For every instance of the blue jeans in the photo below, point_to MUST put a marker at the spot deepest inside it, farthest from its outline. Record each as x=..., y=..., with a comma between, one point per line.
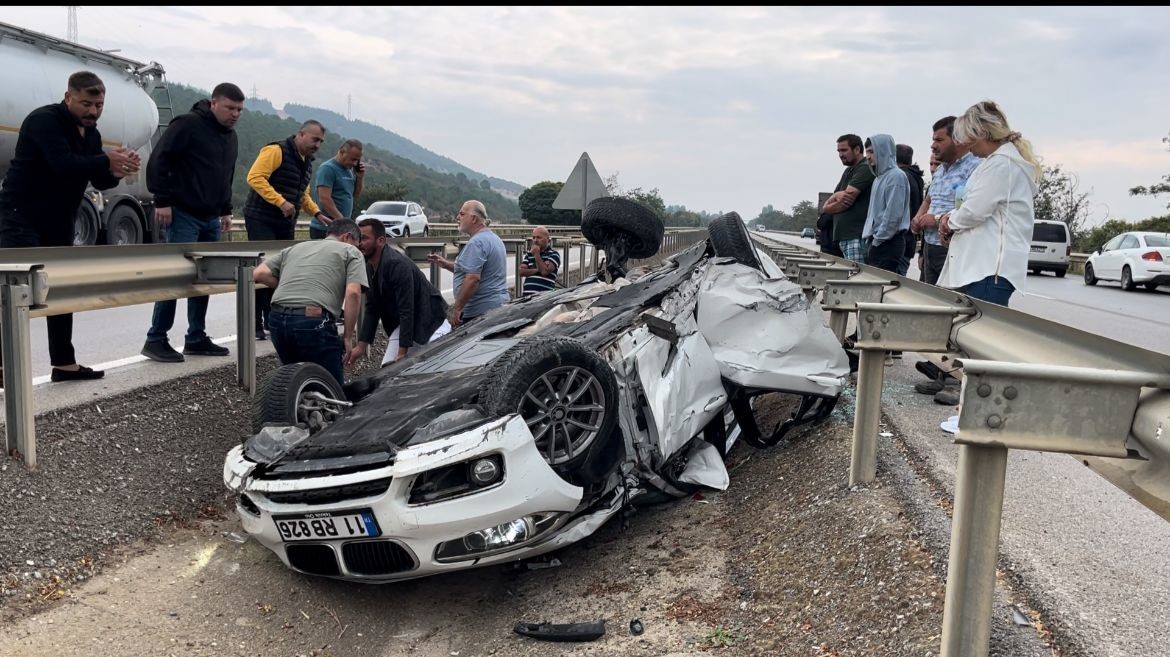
x=184, y=228
x=994, y=289
x=303, y=339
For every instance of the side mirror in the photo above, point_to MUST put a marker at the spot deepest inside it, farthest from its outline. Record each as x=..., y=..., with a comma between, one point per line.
x=1097, y=250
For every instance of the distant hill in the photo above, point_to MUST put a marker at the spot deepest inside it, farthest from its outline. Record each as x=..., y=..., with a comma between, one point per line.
x=373, y=134
x=388, y=176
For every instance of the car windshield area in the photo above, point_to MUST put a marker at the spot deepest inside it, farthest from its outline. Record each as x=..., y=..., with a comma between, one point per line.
x=386, y=207
x=1157, y=240
x=1049, y=233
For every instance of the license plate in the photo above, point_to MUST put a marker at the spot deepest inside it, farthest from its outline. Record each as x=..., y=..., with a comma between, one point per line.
x=1037, y=249
x=327, y=525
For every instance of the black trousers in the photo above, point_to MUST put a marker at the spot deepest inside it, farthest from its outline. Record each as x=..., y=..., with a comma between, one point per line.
x=260, y=229
x=933, y=259
x=889, y=254
x=16, y=233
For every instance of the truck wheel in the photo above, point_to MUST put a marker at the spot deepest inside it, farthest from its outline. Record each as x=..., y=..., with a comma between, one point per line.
x=566, y=394
x=730, y=239
x=607, y=216
x=123, y=226
x=85, y=225
x=297, y=393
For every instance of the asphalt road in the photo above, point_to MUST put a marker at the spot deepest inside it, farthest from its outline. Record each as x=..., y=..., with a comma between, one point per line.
x=1091, y=558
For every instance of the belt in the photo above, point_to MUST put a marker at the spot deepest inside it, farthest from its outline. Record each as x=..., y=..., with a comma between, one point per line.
x=308, y=311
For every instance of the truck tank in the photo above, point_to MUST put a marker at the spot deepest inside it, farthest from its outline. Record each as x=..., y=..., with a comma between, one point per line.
x=34, y=71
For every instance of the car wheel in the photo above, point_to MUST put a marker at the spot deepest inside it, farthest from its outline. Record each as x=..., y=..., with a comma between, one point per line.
x=730, y=239
x=85, y=225
x=1060, y=272
x=426, y=230
x=1127, y=283
x=1090, y=278
x=610, y=219
x=297, y=393
x=1151, y=286
x=406, y=231
x=123, y=226
x=566, y=394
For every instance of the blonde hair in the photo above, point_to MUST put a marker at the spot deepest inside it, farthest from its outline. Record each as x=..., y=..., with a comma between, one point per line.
x=985, y=120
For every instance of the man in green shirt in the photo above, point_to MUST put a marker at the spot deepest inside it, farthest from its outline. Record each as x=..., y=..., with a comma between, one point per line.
x=849, y=203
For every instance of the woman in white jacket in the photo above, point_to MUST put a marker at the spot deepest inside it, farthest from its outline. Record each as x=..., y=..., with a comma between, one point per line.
x=990, y=232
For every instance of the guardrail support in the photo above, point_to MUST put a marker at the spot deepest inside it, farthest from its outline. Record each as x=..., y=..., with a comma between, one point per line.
x=841, y=297
x=246, y=328
x=884, y=327
x=21, y=287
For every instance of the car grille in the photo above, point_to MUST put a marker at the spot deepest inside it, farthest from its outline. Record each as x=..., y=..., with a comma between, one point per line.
x=331, y=495
x=313, y=559
x=376, y=558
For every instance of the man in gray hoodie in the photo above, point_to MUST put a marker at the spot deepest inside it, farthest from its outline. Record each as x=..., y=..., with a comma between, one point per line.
x=888, y=219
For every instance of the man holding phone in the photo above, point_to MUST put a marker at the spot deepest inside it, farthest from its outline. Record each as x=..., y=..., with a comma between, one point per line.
x=339, y=183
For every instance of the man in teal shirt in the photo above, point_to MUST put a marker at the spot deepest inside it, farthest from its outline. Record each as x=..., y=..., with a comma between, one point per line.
x=339, y=182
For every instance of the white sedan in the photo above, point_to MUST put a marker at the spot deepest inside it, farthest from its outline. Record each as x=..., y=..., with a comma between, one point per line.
x=1133, y=258
x=401, y=218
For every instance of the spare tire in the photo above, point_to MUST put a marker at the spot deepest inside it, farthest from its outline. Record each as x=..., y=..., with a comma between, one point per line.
x=730, y=239
x=607, y=217
x=281, y=398
x=565, y=392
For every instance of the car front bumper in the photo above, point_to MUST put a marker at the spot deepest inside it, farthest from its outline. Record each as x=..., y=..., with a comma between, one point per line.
x=409, y=534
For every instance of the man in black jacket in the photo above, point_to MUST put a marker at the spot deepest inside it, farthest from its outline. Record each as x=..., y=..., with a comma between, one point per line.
x=190, y=174
x=411, y=309
x=904, y=157
x=58, y=153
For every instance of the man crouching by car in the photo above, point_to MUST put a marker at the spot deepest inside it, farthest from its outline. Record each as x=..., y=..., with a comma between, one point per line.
x=313, y=280
x=411, y=309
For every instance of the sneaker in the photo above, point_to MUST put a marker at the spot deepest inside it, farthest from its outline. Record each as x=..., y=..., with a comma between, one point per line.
x=896, y=354
x=948, y=396
x=260, y=334
x=162, y=352
x=928, y=369
x=932, y=387
x=82, y=373
x=205, y=347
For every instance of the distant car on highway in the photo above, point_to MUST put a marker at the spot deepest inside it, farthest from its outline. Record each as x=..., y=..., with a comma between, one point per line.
x=401, y=218
x=1051, y=247
x=1133, y=258
x=808, y=232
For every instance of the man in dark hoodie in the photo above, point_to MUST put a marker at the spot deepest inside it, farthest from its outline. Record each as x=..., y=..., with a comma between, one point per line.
x=58, y=153
x=190, y=174
x=887, y=220
x=904, y=156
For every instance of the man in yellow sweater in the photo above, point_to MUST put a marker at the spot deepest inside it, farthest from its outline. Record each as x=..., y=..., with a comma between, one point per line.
x=279, y=179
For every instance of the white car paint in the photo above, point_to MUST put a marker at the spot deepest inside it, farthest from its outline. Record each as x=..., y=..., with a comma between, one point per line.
x=401, y=218
x=1144, y=254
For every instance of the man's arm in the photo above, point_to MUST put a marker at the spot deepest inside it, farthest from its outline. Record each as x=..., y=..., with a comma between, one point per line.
x=328, y=207
x=919, y=221
x=841, y=201
x=353, y=299
x=527, y=269
x=267, y=161
x=309, y=207
x=263, y=275
x=889, y=219
x=160, y=174
x=441, y=261
x=470, y=284
x=403, y=281
x=45, y=132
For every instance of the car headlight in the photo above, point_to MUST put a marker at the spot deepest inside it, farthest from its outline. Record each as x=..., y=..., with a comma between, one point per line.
x=457, y=480
x=499, y=538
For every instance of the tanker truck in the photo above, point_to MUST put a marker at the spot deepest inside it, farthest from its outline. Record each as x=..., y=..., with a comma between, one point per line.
x=34, y=70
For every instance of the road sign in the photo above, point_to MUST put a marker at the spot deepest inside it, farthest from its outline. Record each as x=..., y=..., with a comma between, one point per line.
x=584, y=185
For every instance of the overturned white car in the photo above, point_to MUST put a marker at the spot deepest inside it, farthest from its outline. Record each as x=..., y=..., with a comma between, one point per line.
x=527, y=429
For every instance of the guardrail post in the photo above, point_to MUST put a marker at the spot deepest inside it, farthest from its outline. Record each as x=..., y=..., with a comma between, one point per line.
x=518, y=282
x=246, y=328
x=581, y=262
x=567, y=264
x=885, y=327
x=21, y=287
x=841, y=297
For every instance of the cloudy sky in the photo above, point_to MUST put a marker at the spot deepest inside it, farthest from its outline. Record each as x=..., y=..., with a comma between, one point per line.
x=719, y=108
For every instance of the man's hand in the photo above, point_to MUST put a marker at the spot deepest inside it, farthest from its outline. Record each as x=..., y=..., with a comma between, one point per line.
x=225, y=223
x=456, y=316
x=288, y=209
x=944, y=230
x=401, y=353
x=162, y=216
x=355, y=354
x=441, y=261
x=123, y=162
x=924, y=221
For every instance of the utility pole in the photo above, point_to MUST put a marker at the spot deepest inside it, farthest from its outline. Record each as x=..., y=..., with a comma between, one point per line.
x=71, y=28
x=349, y=107
x=255, y=94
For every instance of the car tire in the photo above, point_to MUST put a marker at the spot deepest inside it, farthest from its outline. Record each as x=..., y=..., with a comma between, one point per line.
x=608, y=215
x=730, y=239
x=1151, y=286
x=1127, y=283
x=1090, y=278
x=406, y=231
x=426, y=231
x=123, y=227
x=544, y=378
x=1060, y=272
x=280, y=398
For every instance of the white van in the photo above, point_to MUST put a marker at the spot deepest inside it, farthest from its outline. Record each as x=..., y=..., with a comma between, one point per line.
x=1051, y=247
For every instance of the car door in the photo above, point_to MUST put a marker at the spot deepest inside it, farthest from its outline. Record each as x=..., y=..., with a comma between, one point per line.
x=413, y=219
x=1129, y=250
x=1107, y=264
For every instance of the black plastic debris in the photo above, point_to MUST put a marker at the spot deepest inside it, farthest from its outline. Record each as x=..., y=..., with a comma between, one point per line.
x=636, y=627
x=562, y=632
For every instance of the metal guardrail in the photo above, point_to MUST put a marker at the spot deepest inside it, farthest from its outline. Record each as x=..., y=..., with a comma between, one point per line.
x=1028, y=383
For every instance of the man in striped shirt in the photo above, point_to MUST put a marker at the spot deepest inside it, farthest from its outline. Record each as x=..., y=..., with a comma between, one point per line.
x=541, y=263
